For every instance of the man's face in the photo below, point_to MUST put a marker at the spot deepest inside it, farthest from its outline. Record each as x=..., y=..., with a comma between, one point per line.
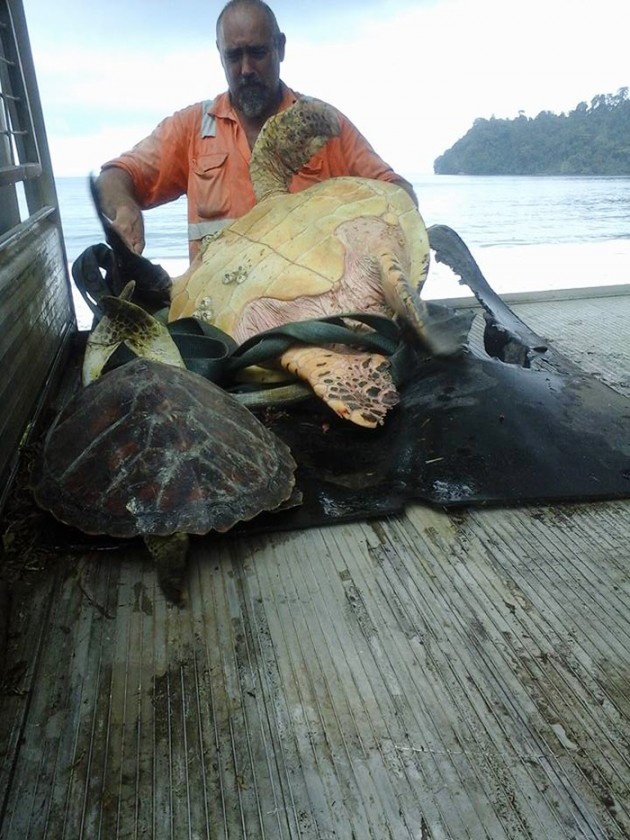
x=251, y=60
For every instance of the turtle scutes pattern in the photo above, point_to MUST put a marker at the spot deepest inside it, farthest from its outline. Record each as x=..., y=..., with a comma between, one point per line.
x=149, y=449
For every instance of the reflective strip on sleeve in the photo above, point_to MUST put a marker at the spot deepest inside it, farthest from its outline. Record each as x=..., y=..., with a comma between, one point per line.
x=197, y=230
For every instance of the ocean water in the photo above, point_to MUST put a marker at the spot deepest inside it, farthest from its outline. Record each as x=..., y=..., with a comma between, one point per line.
x=526, y=233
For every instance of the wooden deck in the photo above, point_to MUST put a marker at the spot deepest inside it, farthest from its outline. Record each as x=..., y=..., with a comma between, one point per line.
x=433, y=675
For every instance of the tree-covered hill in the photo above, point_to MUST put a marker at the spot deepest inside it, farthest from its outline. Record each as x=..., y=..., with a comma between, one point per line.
x=591, y=140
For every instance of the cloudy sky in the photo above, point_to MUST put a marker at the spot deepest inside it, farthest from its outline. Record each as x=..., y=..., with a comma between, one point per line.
x=411, y=75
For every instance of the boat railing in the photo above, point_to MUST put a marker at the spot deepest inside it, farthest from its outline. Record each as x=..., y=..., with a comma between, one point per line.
x=36, y=312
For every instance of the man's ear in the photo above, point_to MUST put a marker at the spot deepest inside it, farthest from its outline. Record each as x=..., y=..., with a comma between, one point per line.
x=220, y=56
x=282, y=42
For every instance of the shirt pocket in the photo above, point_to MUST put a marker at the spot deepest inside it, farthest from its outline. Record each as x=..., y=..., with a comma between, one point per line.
x=213, y=188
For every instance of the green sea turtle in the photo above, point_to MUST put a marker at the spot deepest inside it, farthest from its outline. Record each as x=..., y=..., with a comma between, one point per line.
x=343, y=245
x=151, y=449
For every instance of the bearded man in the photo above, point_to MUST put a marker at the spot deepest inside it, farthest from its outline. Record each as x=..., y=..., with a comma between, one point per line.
x=203, y=151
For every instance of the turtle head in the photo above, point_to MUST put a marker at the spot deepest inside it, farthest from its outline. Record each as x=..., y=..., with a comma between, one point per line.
x=126, y=323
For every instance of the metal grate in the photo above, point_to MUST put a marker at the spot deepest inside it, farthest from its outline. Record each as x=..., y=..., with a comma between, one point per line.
x=20, y=159
x=19, y=155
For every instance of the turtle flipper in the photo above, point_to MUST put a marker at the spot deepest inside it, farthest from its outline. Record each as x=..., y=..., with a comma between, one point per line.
x=288, y=141
x=440, y=332
x=170, y=554
x=357, y=386
x=125, y=322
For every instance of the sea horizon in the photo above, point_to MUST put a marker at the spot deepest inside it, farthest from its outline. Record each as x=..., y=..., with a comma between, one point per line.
x=527, y=233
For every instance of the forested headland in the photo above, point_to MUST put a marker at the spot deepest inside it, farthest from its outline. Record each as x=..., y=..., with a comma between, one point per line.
x=590, y=140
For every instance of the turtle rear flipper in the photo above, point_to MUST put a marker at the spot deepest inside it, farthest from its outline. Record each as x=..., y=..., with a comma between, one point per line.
x=127, y=323
x=439, y=330
x=170, y=554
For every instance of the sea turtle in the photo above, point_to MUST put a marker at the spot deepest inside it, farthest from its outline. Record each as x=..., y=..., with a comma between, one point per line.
x=343, y=245
x=152, y=449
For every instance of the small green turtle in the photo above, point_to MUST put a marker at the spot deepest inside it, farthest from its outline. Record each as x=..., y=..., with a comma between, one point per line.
x=153, y=450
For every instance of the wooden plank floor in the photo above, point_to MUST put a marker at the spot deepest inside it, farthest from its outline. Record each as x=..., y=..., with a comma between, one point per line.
x=433, y=675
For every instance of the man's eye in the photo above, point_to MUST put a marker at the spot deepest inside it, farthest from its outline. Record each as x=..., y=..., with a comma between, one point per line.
x=255, y=53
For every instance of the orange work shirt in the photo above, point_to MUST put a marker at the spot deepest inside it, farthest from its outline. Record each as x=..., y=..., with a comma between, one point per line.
x=202, y=152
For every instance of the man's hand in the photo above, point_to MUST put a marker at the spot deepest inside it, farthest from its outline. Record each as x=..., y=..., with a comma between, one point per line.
x=119, y=204
x=129, y=223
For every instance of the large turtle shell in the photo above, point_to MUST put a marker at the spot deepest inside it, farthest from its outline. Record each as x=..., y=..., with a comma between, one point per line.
x=154, y=449
x=302, y=255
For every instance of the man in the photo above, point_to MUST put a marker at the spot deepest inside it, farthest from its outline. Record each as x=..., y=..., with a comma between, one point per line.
x=204, y=150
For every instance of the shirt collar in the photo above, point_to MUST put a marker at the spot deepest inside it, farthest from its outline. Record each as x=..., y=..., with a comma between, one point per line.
x=221, y=106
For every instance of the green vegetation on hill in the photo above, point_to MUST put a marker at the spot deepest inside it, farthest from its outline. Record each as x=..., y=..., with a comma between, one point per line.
x=591, y=140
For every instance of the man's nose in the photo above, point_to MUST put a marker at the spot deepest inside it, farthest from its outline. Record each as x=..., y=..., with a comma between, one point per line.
x=246, y=65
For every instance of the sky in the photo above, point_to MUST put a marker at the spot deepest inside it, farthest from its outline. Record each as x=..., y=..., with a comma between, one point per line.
x=412, y=76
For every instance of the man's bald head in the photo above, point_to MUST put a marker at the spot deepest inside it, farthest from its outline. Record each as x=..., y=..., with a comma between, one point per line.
x=254, y=4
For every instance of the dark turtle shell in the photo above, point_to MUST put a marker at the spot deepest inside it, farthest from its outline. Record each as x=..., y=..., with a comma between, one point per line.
x=154, y=449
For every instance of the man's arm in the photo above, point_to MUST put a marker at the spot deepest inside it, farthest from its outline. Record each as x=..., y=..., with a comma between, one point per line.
x=407, y=187
x=153, y=172
x=359, y=158
x=119, y=204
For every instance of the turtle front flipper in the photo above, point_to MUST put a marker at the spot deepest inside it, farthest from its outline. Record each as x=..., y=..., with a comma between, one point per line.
x=440, y=334
x=170, y=554
x=288, y=141
x=357, y=386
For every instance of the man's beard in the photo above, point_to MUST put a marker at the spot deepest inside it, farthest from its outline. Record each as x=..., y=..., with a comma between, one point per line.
x=253, y=98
